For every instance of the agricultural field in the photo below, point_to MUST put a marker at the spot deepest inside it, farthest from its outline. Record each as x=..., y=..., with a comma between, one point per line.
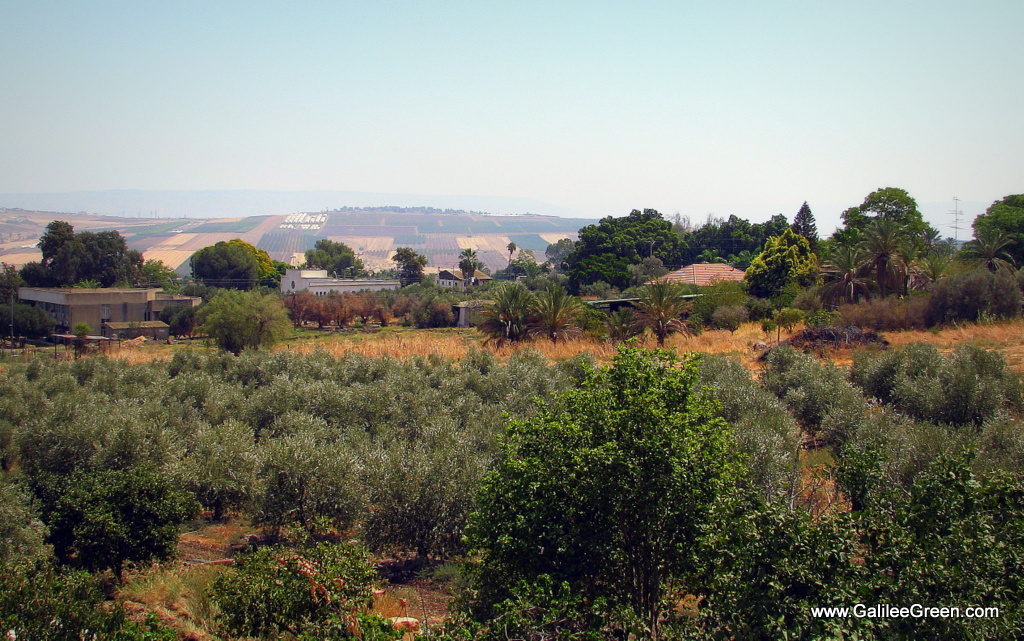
x=373, y=234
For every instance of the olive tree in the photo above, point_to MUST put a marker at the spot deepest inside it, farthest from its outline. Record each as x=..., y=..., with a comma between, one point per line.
x=239, y=320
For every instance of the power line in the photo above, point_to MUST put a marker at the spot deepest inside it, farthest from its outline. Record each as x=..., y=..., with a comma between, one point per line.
x=956, y=213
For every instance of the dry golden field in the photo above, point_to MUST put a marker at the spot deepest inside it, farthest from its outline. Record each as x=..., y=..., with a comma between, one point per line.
x=746, y=343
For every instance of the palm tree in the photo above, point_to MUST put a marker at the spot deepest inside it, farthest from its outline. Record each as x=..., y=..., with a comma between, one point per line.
x=506, y=316
x=887, y=254
x=848, y=283
x=932, y=266
x=661, y=305
x=556, y=314
x=622, y=325
x=989, y=248
x=469, y=262
x=511, y=247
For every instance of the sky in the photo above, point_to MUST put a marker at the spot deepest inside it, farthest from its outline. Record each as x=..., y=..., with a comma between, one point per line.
x=597, y=107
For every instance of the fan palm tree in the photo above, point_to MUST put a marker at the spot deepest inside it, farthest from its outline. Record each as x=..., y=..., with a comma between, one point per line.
x=506, y=316
x=661, y=305
x=989, y=248
x=556, y=314
x=511, y=247
x=887, y=253
x=848, y=282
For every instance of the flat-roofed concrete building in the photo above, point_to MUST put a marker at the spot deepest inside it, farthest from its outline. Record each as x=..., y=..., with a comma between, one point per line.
x=316, y=281
x=68, y=306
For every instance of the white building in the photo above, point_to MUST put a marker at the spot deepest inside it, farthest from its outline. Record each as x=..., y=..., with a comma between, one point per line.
x=318, y=282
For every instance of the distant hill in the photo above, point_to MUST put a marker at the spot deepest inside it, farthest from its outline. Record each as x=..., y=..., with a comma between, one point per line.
x=150, y=203
x=373, y=232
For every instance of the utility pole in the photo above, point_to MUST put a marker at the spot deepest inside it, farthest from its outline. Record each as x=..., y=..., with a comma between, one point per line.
x=956, y=213
x=12, y=320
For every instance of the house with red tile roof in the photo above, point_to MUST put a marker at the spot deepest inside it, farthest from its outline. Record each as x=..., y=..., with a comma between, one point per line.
x=703, y=274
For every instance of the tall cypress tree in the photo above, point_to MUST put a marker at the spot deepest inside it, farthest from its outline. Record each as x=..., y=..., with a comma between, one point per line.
x=803, y=224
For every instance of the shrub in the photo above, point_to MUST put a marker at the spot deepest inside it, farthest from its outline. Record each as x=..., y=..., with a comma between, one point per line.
x=968, y=387
x=730, y=317
x=814, y=391
x=111, y=517
x=887, y=314
x=972, y=295
x=321, y=592
x=765, y=432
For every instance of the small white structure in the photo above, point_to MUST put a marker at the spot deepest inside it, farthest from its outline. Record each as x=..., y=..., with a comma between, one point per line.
x=318, y=282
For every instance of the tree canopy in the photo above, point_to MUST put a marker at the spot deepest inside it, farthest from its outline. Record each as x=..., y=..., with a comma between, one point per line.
x=410, y=265
x=786, y=260
x=1006, y=216
x=889, y=203
x=234, y=264
x=605, y=250
x=245, y=320
x=70, y=258
x=337, y=258
x=606, y=491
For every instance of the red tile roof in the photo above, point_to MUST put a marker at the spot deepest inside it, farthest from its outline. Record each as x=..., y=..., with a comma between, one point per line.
x=703, y=274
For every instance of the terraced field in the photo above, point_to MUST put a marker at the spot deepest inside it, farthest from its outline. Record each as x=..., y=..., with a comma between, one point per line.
x=373, y=234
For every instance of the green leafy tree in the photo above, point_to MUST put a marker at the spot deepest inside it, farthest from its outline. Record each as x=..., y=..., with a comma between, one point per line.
x=556, y=253
x=29, y=321
x=733, y=240
x=892, y=204
x=69, y=258
x=337, y=258
x=154, y=273
x=21, y=532
x=108, y=518
x=605, y=491
x=605, y=250
x=505, y=318
x=233, y=264
x=245, y=320
x=10, y=281
x=847, y=281
x=181, y=319
x=730, y=317
x=661, y=307
x=410, y=265
x=1005, y=216
x=556, y=315
x=785, y=261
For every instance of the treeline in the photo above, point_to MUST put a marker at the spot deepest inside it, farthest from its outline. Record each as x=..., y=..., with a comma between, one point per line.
x=652, y=497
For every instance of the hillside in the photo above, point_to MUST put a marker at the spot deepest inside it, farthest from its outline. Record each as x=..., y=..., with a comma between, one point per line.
x=374, y=233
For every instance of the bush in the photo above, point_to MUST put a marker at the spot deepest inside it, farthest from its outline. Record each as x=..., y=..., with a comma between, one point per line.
x=974, y=295
x=730, y=317
x=321, y=592
x=887, y=314
x=765, y=433
x=111, y=517
x=968, y=387
x=814, y=392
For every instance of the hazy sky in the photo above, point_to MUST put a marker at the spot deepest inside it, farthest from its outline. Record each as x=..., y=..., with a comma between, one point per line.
x=695, y=107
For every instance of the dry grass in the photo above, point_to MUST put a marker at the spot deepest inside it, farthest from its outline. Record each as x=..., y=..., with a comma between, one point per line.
x=179, y=595
x=1005, y=337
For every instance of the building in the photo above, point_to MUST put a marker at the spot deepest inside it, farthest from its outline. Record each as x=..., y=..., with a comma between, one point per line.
x=316, y=281
x=68, y=306
x=448, y=278
x=703, y=274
